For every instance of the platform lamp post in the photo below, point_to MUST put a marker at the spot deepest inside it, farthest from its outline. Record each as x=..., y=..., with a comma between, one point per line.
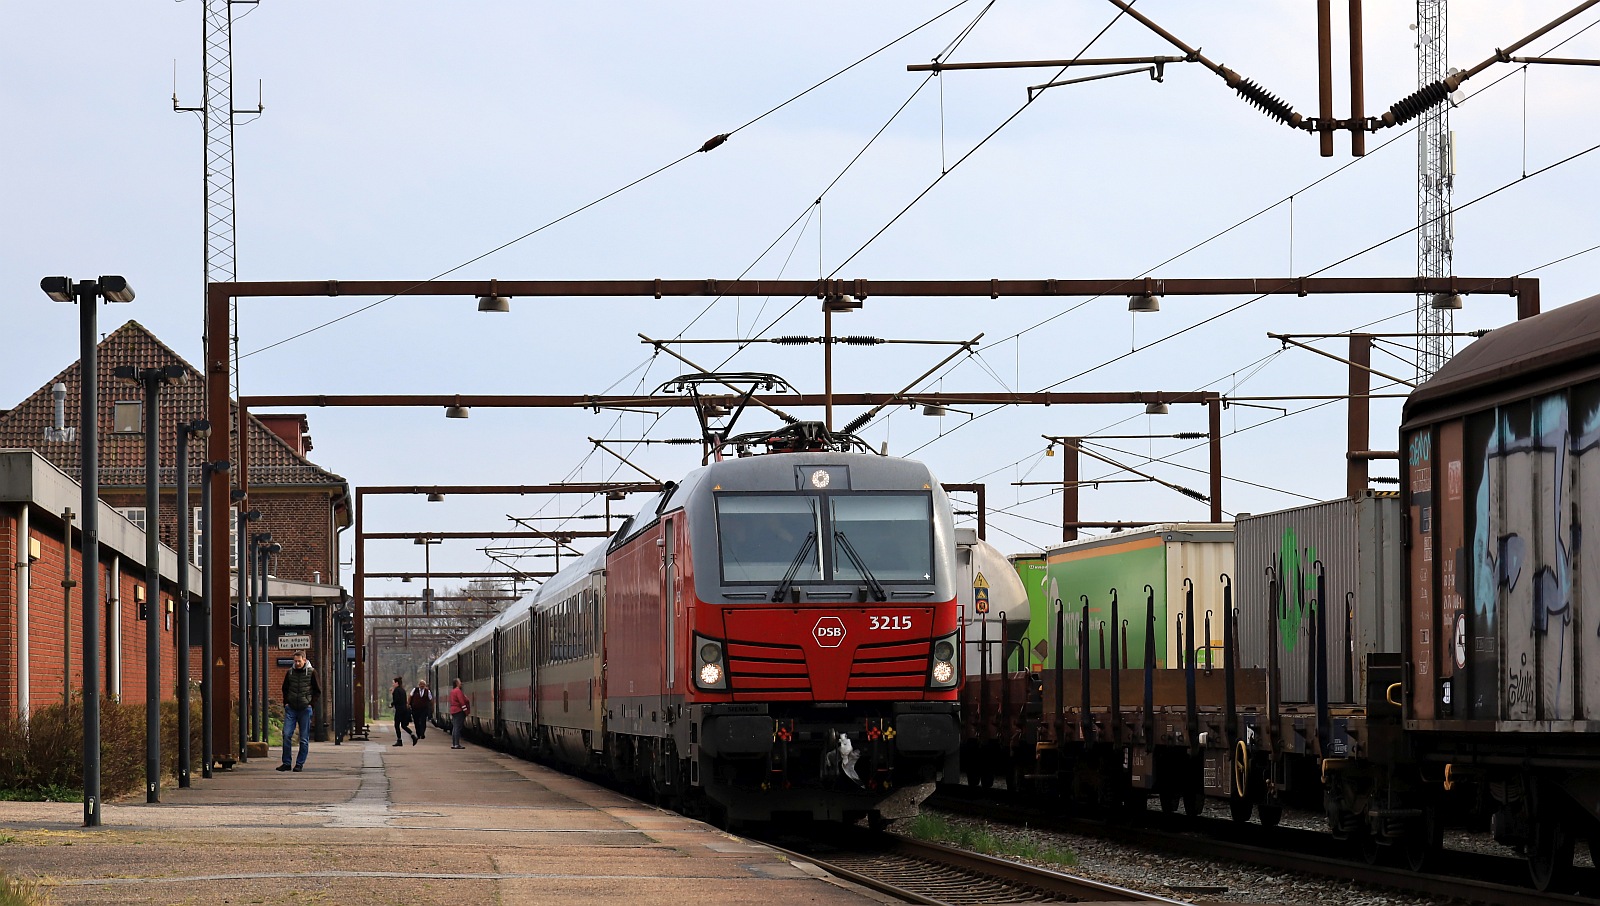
x=187, y=430
x=208, y=678
x=85, y=292
x=245, y=577
x=152, y=379
x=264, y=617
x=427, y=575
x=258, y=577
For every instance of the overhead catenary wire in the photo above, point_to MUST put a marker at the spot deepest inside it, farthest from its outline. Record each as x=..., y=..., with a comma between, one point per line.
x=710, y=144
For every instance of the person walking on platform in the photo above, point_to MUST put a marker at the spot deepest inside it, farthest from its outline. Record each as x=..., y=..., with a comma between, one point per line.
x=458, y=713
x=300, y=690
x=402, y=712
x=421, y=708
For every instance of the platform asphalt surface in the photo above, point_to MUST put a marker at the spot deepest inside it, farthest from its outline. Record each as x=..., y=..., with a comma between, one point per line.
x=368, y=822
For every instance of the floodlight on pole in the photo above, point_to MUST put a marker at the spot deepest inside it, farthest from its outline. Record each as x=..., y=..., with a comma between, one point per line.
x=436, y=497
x=152, y=380
x=84, y=293
x=1144, y=302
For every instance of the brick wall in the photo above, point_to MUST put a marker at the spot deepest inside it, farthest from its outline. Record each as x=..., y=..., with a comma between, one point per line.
x=55, y=660
x=301, y=521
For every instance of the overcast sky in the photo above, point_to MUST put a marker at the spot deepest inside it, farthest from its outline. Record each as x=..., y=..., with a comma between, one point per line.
x=404, y=140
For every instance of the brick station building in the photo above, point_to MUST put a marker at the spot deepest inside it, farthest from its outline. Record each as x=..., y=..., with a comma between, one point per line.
x=303, y=507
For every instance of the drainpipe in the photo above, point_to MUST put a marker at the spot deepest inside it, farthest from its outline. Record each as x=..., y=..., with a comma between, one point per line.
x=24, y=579
x=114, y=633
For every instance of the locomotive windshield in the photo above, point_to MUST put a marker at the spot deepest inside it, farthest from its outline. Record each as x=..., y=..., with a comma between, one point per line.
x=762, y=535
x=891, y=533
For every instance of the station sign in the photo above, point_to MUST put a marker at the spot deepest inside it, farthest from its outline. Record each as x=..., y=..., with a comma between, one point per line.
x=294, y=642
x=294, y=616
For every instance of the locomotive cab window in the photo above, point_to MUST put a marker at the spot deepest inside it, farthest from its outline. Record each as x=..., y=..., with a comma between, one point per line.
x=892, y=534
x=762, y=535
x=770, y=538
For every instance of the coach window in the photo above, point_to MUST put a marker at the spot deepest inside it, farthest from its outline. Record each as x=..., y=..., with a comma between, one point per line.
x=892, y=533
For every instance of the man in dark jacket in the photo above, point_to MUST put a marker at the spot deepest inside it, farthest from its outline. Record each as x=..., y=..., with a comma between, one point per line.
x=421, y=708
x=402, y=711
x=300, y=691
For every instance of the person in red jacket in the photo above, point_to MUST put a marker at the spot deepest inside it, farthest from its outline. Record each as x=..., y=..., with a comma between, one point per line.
x=458, y=713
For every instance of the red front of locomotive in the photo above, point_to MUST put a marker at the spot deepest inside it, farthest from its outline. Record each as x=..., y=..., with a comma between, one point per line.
x=819, y=635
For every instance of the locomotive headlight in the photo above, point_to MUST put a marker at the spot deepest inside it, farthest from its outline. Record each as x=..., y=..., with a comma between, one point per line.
x=943, y=673
x=710, y=672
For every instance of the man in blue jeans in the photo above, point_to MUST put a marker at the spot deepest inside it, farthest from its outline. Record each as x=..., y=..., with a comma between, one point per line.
x=300, y=689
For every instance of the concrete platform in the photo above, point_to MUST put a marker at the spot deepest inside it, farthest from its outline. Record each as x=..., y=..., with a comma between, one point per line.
x=367, y=822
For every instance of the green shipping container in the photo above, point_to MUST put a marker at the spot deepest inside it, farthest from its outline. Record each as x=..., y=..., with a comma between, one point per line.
x=1030, y=569
x=1158, y=556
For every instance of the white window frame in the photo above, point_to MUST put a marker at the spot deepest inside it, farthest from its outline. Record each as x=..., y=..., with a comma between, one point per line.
x=134, y=514
x=200, y=539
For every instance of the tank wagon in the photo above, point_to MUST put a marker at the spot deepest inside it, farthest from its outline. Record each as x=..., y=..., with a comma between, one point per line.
x=774, y=636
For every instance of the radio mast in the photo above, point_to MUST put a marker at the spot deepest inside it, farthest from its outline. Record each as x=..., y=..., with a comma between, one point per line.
x=1435, y=174
x=217, y=118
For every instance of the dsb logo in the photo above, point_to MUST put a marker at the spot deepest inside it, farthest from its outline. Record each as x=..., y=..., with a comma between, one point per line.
x=829, y=632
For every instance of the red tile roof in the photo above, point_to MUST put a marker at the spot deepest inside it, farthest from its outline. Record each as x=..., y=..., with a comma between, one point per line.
x=273, y=463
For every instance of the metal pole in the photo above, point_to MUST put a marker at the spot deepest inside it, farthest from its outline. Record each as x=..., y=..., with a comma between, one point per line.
x=827, y=364
x=89, y=433
x=1214, y=407
x=1325, y=75
x=1358, y=89
x=152, y=586
x=183, y=606
x=1069, y=488
x=243, y=621
x=263, y=605
x=1358, y=428
x=208, y=678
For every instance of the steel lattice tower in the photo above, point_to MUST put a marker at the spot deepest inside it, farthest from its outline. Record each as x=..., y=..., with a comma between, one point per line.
x=1435, y=231
x=216, y=115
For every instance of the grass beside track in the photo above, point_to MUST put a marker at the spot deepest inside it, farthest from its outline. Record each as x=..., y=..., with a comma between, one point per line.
x=934, y=829
x=14, y=892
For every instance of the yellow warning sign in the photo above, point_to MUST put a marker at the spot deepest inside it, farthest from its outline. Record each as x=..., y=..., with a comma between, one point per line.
x=980, y=594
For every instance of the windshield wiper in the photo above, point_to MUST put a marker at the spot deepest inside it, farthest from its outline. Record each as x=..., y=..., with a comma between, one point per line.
x=794, y=567
x=878, y=594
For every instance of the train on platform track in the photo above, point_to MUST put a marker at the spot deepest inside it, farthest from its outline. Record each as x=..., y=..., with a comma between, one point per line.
x=1401, y=660
x=775, y=636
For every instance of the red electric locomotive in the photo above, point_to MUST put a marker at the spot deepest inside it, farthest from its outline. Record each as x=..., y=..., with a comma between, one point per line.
x=775, y=636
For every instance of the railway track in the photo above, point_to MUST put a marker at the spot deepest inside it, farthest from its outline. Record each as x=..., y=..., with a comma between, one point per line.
x=919, y=872
x=1469, y=877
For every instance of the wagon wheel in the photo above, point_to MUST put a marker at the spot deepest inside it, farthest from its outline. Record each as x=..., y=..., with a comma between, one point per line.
x=1239, y=809
x=1371, y=851
x=1271, y=813
x=1550, y=854
x=1169, y=801
x=1422, y=844
x=1194, y=801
